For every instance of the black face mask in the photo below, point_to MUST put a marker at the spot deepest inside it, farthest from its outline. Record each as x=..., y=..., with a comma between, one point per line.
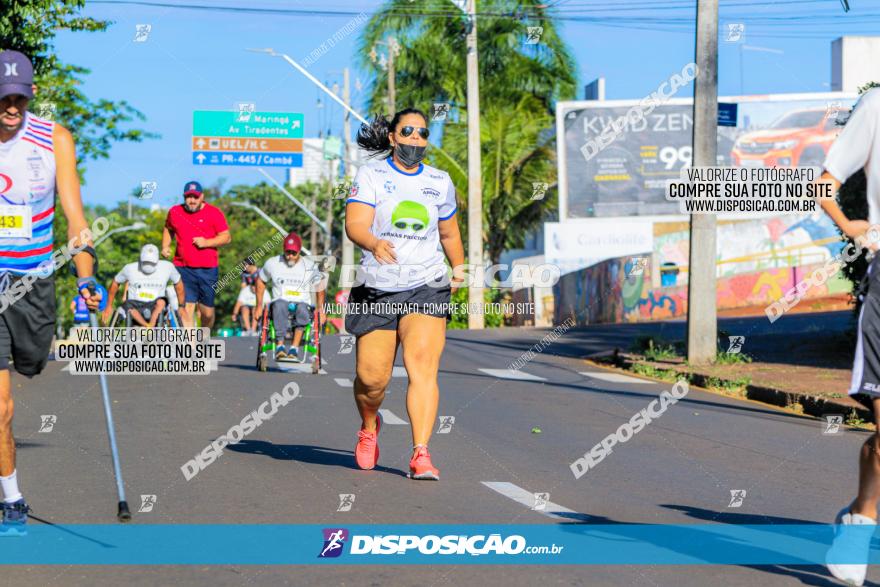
x=410, y=155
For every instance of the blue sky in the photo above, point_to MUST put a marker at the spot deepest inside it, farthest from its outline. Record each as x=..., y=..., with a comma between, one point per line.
x=196, y=60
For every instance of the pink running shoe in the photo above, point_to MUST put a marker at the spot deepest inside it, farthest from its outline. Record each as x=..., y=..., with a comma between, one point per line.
x=420, y=466
x=366, y=453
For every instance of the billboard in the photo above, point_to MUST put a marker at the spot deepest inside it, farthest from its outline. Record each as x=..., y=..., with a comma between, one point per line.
x=627, y=176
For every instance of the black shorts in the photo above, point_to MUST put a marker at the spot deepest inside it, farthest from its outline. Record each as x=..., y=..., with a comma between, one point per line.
x=27, y=326
x=142, y=306
x=373, y=309
x=865, y=383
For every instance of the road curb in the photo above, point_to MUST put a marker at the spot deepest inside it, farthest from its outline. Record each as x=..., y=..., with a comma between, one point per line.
x=812, y=405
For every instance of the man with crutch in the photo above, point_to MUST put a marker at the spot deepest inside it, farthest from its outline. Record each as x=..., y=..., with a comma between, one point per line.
x=37, y=157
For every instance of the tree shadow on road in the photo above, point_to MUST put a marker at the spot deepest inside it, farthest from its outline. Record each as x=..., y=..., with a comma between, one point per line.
x=305, y=453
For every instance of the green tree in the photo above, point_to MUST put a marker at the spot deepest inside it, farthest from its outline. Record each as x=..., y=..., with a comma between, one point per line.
x=30, y=26
x=514, y=160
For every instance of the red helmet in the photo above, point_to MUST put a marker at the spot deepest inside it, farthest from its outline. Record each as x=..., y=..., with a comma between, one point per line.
x=292, y=242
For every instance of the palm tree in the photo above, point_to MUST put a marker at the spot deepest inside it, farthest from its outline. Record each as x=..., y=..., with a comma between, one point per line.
x=431, y=64
x=514, y=159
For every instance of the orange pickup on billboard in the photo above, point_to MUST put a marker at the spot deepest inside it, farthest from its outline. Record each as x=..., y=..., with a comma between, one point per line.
x=247, y=144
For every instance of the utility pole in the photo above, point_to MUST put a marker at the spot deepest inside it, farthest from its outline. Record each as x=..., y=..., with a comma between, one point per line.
x=702, y=317
x=328, y=238
x=475, y=183
x=388, y=64
x=392, y=90
x=313, y=228
x=347, y=245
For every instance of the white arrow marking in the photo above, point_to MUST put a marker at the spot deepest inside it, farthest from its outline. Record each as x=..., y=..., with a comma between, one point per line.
x=343, y=382
x=520, y=495
x=614, y=377
x=511, y=374
x=200, y=158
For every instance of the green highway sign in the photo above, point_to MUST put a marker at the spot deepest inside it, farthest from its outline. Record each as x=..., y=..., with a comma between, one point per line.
x=265, y=125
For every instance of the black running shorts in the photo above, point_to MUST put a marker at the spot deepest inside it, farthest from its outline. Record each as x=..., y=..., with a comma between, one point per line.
x=27, y=326
x=373, y=309
x=866, y=365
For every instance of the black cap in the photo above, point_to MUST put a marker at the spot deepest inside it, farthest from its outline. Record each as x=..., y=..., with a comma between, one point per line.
x=16, y=74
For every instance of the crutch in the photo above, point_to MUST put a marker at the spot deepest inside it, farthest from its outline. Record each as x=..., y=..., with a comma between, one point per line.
x=123, y=514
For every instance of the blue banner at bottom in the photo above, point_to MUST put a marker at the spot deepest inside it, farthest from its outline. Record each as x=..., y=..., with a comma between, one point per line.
x=564, y=544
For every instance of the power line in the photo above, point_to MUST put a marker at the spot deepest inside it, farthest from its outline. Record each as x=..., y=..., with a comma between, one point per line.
x=785, y=26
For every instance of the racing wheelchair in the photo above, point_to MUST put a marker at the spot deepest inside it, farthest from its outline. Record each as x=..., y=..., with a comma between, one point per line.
x=310, y=345
x=169, y=318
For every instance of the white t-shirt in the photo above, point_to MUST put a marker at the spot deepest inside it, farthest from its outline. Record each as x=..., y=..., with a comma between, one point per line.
x=146, y=288
x=294, y=284
x=171, y=294
x=248, y=297
x=408, y=207
x=858, y=146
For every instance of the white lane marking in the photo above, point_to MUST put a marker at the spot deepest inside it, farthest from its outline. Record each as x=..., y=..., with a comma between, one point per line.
x=614, y=377
x=511, y=374
x=398, y=371
x=389, y=417
x=521, y=496
x=343, y=382
x=298, y=368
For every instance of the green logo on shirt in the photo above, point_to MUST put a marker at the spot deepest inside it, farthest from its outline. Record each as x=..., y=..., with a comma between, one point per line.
x=409, y=215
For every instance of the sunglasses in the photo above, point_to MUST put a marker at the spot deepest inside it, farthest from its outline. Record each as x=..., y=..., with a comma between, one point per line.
x=408, y=130
x=413, y=224
x=193, y=196
x=291, y=253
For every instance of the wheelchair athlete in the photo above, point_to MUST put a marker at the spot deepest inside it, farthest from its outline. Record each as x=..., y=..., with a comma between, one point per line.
x=293, y=279
x=146, y=279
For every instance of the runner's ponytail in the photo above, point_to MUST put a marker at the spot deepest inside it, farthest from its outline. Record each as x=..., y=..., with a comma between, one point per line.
x=373, y=137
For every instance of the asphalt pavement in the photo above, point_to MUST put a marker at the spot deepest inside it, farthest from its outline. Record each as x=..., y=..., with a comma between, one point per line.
x=680, y=469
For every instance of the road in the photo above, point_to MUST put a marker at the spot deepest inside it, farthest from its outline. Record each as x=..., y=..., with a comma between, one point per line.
x=679, y=470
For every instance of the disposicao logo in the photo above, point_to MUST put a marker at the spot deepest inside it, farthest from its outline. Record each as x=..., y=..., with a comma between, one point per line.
x=334, y=540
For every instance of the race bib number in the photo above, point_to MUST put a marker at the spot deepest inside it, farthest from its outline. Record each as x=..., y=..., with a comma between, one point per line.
x=147, y=296
x=289, y=293
x=15, y=222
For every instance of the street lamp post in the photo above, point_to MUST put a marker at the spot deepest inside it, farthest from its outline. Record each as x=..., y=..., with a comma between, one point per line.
x=105, y=236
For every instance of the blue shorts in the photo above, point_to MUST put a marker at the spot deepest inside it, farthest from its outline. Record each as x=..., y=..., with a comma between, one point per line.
x=199, y=284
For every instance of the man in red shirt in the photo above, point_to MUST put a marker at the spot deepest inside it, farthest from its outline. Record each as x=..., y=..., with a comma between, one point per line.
x=199, y=229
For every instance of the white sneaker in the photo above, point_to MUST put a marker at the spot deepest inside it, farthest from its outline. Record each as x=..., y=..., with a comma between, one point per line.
x=849, y=543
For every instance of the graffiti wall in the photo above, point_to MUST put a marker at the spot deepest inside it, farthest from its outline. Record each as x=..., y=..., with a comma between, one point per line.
x=603, y=294
x=753, y=245
x=758, y=260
